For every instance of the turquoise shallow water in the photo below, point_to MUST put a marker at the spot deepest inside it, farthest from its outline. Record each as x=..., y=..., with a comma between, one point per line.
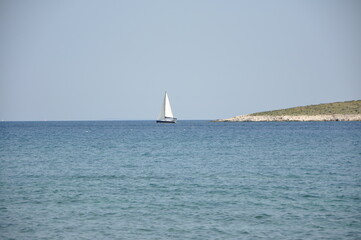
x=190, y=180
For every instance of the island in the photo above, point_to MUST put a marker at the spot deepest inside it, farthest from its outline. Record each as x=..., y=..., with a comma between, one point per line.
x=337, y=111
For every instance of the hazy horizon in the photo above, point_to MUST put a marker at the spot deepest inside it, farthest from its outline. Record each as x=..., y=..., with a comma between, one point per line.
x=113, y=60
x=116, y=119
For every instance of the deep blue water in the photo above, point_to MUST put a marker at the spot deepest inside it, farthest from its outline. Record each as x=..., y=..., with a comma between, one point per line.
x=190, y=180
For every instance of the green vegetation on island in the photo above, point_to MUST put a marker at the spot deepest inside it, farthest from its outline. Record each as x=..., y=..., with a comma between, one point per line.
x=349, y=107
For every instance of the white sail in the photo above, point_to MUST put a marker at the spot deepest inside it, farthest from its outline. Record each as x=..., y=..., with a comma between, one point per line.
x=167, y=108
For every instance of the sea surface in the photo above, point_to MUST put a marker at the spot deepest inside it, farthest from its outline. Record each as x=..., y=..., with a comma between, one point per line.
x=190, y=180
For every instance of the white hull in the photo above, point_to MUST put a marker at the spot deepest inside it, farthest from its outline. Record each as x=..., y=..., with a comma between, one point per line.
x=167, y=120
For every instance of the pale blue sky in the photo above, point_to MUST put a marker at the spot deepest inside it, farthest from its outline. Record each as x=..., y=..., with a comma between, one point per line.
x=95, y=60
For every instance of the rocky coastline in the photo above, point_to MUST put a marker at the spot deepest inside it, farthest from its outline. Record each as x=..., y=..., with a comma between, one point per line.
x=291, y=118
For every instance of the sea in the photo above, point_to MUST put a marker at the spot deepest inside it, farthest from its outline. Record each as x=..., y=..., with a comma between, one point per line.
x=190, y=180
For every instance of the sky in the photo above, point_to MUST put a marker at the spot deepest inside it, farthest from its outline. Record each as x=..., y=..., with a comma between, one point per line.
x=113, y=60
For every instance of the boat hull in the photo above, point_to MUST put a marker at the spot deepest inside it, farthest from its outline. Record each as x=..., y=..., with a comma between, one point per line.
x=172, y=120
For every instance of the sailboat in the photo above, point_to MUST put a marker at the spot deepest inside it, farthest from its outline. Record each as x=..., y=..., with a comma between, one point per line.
x=166, y=114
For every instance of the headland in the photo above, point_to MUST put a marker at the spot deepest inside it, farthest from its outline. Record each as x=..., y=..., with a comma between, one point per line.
x=338, y=111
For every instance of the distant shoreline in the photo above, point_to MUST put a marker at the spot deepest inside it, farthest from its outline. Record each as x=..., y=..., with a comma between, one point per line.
x=290, y=118
x=337, y=111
